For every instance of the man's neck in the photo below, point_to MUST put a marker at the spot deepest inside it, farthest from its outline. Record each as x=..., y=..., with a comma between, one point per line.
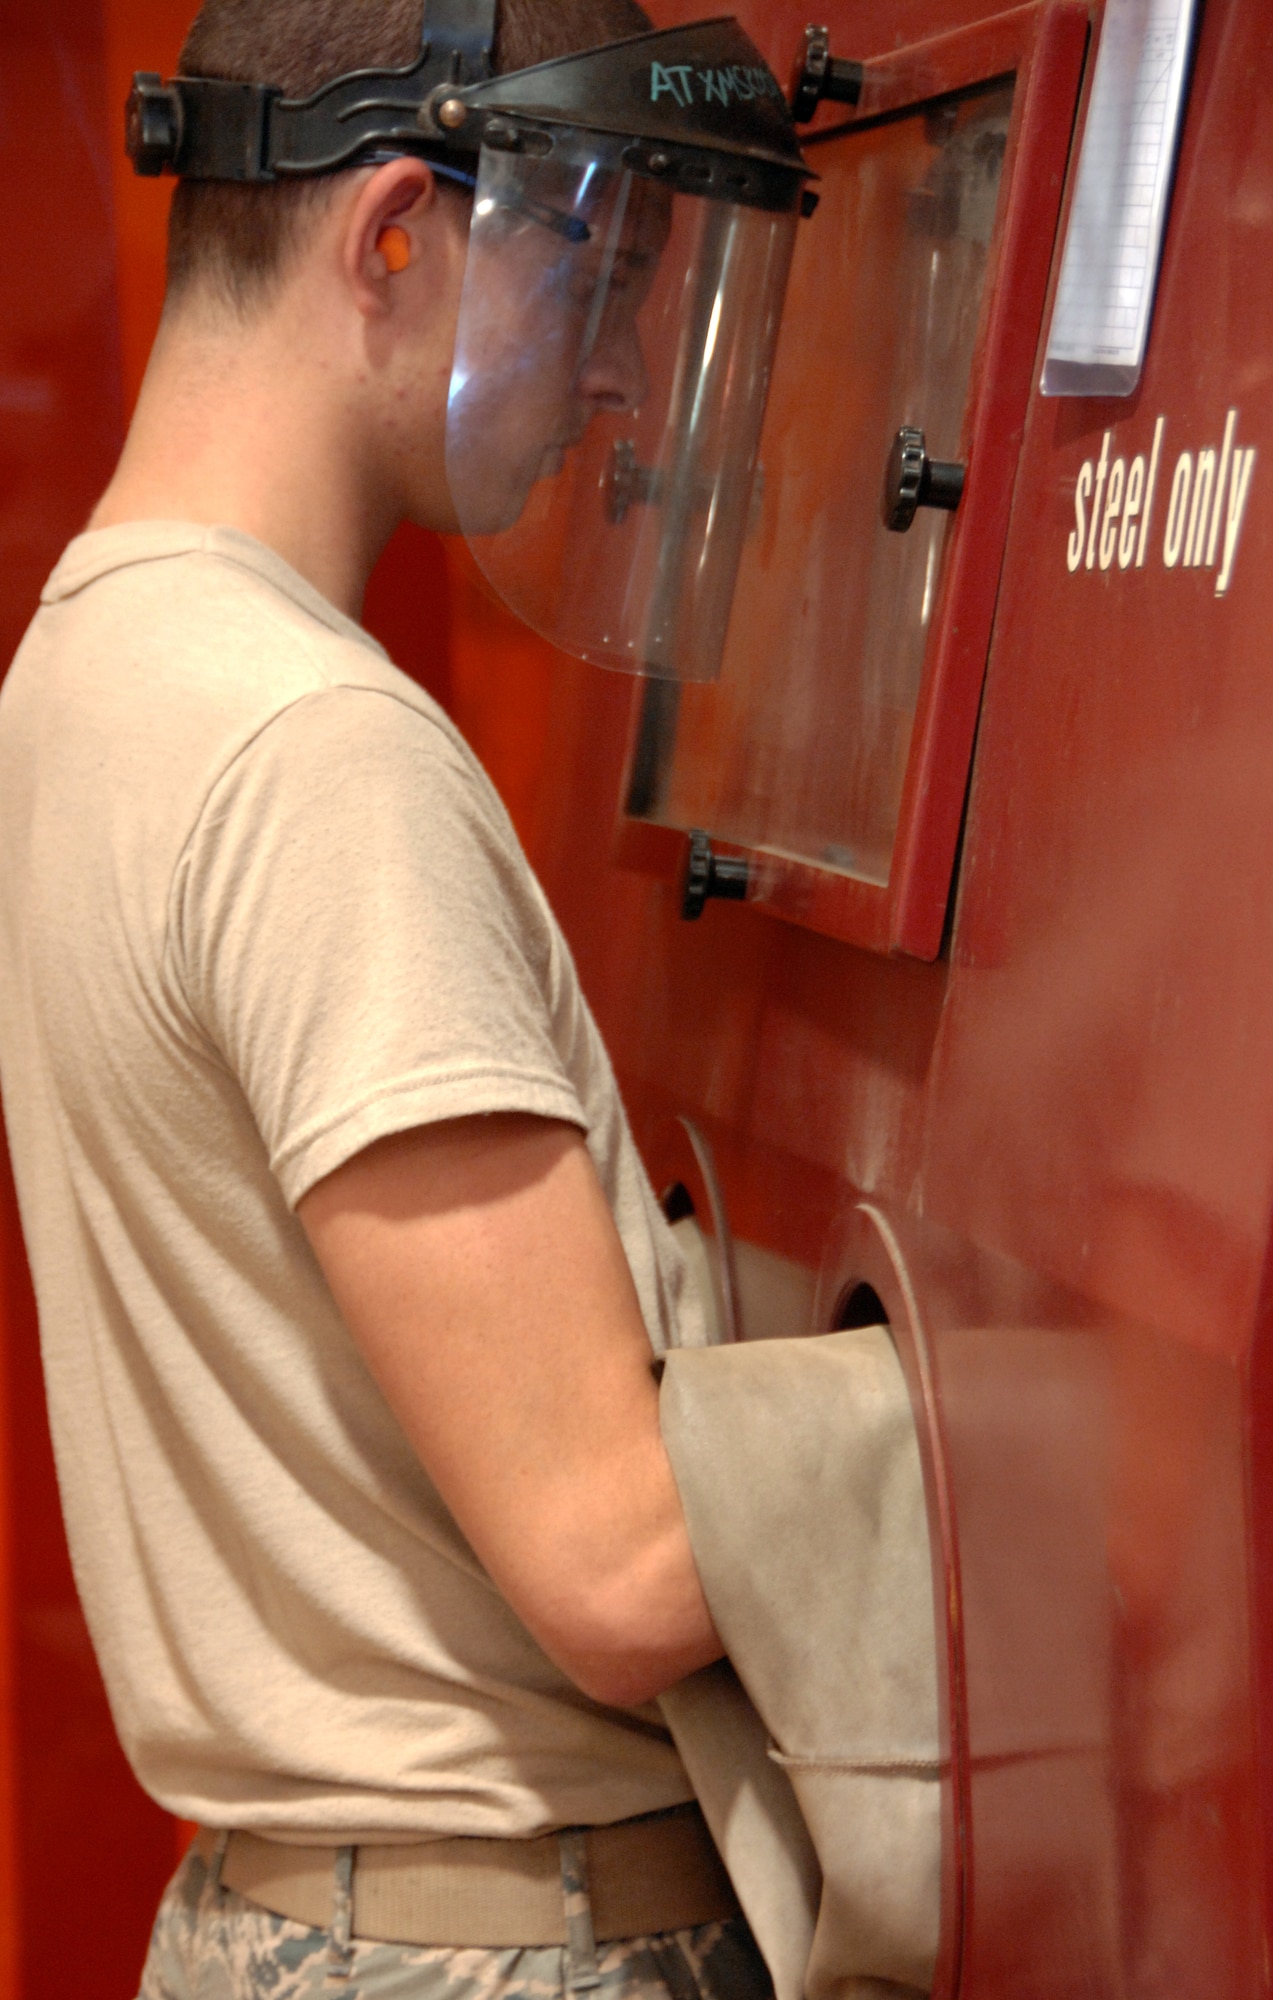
x=235, y=427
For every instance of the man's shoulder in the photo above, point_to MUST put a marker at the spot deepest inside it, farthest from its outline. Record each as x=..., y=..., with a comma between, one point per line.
x=206, y=610
x=166, y=657
x=169, y=627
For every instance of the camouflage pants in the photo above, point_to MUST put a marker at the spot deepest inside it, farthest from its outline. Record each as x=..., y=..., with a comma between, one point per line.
x=211, y=1944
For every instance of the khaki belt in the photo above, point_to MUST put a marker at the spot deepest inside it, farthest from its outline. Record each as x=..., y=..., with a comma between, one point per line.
x=644, y=1876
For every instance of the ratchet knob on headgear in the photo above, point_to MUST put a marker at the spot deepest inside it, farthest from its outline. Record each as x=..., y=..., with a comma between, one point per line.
x=156, y=124
x=912, y=480
x=452, y=113
x=443, y=111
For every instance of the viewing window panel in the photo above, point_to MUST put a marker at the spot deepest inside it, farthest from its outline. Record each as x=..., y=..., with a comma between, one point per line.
x=802, y=745
x=834, y=749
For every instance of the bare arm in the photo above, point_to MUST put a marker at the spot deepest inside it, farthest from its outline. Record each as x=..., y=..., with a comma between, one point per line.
x=478, y=1267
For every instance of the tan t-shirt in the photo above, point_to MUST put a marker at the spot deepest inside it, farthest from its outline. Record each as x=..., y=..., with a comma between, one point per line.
x=259, y=906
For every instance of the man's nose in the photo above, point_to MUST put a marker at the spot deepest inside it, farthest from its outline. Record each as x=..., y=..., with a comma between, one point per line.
x=614, y=375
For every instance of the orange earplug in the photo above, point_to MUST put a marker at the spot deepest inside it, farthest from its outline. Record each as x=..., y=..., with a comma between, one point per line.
x=394, y=246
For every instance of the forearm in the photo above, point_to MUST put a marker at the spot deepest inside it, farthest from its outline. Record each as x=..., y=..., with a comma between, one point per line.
x=479, y=1270
x=605, y=1579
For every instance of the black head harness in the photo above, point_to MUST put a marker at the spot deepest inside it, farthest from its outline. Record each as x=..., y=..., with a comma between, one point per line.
x=701, y=108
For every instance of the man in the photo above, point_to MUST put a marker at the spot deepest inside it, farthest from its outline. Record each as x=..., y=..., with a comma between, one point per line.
x=348, y=1270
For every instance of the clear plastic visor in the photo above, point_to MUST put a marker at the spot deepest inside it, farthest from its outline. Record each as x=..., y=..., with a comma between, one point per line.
x=611, y=368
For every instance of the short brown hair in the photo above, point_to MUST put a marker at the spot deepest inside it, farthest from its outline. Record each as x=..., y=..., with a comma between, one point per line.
x=240, y=238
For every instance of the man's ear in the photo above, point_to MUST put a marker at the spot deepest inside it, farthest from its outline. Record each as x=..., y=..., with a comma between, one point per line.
x=382, y=231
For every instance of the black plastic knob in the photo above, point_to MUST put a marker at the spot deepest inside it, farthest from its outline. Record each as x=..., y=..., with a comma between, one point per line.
x=155, y=126
x=820, y=76
x=707, y=875
x=912, y=479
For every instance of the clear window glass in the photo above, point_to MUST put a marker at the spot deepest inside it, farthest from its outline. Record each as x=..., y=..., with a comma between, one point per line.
x=801, y=749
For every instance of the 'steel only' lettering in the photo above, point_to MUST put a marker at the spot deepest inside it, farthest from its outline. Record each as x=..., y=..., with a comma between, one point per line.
x=1206, y=494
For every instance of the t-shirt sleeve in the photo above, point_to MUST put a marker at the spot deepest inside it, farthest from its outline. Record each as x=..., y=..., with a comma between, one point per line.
x=359, y=938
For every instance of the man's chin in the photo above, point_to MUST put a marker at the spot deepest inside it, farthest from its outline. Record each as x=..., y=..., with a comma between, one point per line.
x=497, y=520
x=495, y=512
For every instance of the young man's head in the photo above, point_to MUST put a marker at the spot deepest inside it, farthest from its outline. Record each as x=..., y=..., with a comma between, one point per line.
x=237, y=240
x=357, y=276
x=430, y=335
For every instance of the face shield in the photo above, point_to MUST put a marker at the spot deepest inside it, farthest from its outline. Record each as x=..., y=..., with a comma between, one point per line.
x=611, y=367
x=633, y=223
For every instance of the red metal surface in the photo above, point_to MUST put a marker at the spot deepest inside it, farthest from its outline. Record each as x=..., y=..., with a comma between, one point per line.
x=953, y=60
x=1068, y=1125
x=946, y=719
x=1106, y=1052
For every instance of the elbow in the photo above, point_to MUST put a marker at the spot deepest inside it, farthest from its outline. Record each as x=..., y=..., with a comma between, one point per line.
x=621, y=1680
x=624, y=1625
x=626, y=1654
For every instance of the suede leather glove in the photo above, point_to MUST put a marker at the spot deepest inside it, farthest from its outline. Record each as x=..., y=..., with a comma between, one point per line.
x=818, y=1764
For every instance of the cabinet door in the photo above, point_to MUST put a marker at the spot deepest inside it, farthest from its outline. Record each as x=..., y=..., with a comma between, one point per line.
x=834, y=751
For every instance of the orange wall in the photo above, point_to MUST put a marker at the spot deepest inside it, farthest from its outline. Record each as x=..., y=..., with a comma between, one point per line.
x=82, y=1853
x=138, y=34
